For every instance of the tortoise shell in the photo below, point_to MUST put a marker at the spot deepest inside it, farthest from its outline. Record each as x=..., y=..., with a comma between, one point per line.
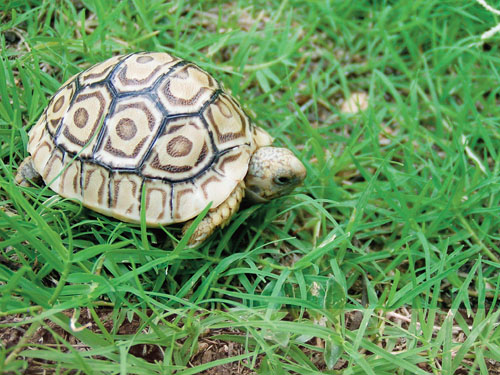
x=144, y=127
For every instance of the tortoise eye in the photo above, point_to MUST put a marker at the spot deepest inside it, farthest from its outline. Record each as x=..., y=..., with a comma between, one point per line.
x=282, y=180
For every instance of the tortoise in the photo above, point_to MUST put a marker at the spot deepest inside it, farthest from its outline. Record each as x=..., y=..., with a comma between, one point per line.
x=150, y=131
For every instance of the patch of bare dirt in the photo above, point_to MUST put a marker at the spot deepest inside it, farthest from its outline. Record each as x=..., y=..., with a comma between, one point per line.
x=209, y=349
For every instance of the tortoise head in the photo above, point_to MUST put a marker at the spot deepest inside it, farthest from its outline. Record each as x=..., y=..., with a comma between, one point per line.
x=272, y=172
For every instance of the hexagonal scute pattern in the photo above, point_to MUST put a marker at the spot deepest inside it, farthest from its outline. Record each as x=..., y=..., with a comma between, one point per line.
x=70, y=184
x=82, y=120
x=158, y=202
x=99, y=71
x=230, y=124
x=144, y=124
x=125, y=196
x=128, y=132
x=58, y=106
x=186, y=90
x=95, y=184
x=140, y=71
x=182, y=150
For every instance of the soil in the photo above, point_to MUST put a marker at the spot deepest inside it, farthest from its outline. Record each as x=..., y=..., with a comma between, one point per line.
x=209, y=349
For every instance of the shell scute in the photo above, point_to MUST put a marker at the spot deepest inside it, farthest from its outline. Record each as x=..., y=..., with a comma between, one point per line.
x=187, y=201
x=70, y=184
x=41, y=152
x=52, y=171
x=233, y=164
x=182, y=150
x=187, y=89
x=128, y=132
x=140, y=71
x=80, y=124
x=230, y=124
x=125, y=195
x=95, y=185
x=158, y=201
x=99, y=71
x=36, y=133
x=58, y=106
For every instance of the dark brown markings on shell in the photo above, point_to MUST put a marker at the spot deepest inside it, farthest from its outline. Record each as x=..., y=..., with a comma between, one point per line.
x=203, y=154
x=228, y=159
x=56, y=155
x=192, y=123
x=58, y=104
x=179, y=146
x=173, y=128
x=73, y=139
x=117, y=152
x=140, y=106
x=76, y=178
x=130, y=209
x=178, y=200
x=102, y=104
x=126, y=129
x=144, y=59
x=224, y=109
x=122, y=76
x=88, y=175
x=75, y=181
x=163, y=200
x=211, y=80
x=81, y=117
x=116, y=191
x=237, y=109
x=206, y=183
x=226, y=137
x=168, y=167
x=31, y=139
x=55, y=122
x=50, y=146
x=182, y=74
x=180, y=101
x=102, y=73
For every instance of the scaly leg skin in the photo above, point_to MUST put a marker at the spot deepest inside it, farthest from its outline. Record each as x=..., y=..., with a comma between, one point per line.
x=26, y=173
x=217, y=217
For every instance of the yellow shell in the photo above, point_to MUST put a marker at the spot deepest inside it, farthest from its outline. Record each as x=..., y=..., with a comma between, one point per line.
x=144, y=123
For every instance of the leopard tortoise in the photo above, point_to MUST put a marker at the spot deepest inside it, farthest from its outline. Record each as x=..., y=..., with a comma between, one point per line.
x=152, y=128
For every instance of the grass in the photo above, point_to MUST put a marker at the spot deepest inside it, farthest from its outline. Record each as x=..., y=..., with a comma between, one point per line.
x=385, y=261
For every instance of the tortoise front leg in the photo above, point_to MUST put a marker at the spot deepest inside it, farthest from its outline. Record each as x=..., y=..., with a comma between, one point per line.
x=217, y=217
x=26, y=173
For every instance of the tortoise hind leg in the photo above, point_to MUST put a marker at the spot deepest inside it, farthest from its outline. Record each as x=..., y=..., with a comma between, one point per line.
x=26, y=173
x=217, y=217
